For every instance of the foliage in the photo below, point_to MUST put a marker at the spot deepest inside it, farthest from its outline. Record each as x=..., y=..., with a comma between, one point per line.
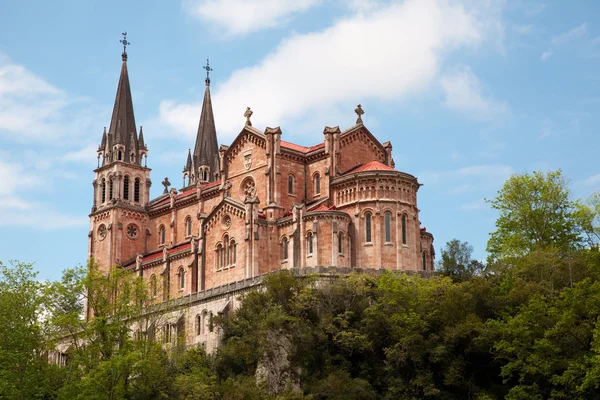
x=526, y=327
x=535, y=211
x=456, y=261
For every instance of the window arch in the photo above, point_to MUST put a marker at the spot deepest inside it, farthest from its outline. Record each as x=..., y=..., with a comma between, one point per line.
x=198, y=325
x=103, y=190
x=310, y=242
x=126, y=187
x=317, y=183
x=219, y=257
x=368, y=227
x=403, y=228
x=424, y=261
x=162, y=235
x=153, y=285
x=226, y=250
x=233, y=251
x=290, y=184
x=284, y=248
x=136, y=190
x=340, y=243
x=388, y=226
x=110, y=188
x=120, y=155
x=188, y=226
x=181, y=274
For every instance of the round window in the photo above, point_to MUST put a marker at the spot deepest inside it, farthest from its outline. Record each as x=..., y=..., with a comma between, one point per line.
x=102, y=232
x=132, y=231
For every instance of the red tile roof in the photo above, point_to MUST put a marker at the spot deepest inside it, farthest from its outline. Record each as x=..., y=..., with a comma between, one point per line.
x=187, y=193
x=211, y=184
x=370, y=166
x=155, y=255
x=181, y=247
x=152, y=256
x=301, y=149
x=323, y=207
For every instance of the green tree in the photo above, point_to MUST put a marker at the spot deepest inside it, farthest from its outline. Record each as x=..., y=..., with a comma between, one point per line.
x=456, y=261
x=535, y=211
x=24, y=371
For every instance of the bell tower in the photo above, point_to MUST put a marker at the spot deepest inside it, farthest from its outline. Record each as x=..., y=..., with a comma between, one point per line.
x=119, y=220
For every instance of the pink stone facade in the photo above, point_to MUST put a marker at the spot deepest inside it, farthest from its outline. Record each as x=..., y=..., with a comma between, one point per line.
x=271, y=205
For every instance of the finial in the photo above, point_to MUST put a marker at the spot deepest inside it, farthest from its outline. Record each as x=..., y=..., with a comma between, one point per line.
x=208, y=69
x=359, y=111
x=125, y=44
x=166, y=184
x=248, y=114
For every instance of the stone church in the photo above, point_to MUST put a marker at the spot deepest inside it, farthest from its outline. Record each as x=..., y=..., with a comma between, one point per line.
x=257, y=205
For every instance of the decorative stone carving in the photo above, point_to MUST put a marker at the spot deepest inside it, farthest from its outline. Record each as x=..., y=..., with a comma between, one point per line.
x=248, y=114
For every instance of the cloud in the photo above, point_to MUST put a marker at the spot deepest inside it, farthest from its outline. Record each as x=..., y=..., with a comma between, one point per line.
x=31, y=108
x=591, y=181
x=17, y=211
x=84, y=155
x=534, y=9
x=471, y=206
x=464, y=93
x=239, y=17
x=387, y=53
x=546, y=55
x=487, y=171
x=569, y=36
x=523, y=29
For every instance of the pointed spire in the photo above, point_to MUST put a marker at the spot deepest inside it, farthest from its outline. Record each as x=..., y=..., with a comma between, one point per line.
x=103, y=141
x=122, y=123
x=141, y=143
x=188, y=163
x=206, y=150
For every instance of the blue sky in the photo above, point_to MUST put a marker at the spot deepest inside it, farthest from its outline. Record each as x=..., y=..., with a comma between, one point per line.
x=468, y=92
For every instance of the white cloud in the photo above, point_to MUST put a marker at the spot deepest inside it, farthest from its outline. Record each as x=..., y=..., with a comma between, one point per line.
x=546, y=55
x=591, y=181
x=472, y=206
x=243, y=16
x=523, y=29
x=465, y=93
x=31, y=108
x=534, y=9
x=569, y=36
x=84, y=155
x=386, y=53
x=17, y=211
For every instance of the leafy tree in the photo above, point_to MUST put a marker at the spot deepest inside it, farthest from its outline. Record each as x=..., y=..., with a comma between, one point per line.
x=535, y=211
x=456, y=261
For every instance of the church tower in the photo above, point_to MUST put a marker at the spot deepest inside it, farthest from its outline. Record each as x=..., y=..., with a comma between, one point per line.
x=119, y=219
x=203, y=165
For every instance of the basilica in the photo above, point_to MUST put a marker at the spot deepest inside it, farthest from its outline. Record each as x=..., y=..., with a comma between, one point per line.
x=245, y=209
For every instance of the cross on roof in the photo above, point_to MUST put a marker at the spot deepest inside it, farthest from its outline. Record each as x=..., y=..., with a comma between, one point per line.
x=125, y=44
x=208, y=69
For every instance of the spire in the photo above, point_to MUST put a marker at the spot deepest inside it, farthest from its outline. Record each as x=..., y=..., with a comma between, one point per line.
x=141, y=143
x=188, y=163
x=122, y=123
x=103, y=141
x=206, y=150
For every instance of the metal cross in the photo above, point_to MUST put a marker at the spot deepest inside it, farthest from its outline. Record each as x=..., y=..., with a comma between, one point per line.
x=125, y=44
x=208, y=69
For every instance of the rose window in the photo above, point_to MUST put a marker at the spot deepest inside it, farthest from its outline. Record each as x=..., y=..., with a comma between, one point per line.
x=132, y=231
x=102, y=231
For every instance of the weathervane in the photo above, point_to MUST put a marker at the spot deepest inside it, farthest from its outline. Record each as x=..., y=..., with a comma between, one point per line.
x=208, y=69
x=125, y=44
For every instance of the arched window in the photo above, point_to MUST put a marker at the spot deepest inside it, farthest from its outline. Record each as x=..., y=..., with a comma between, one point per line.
x=388, y=226
x=162, y=234
x=403, y=228
x=340, y=243
x=188, y=226
x=198, y=325
x=226, y=249
x=291, y=184
x=310, y=243
x=317, y=184
x=181, y=278
x=204, y=175
x=284, y=248
x=204, y=326
x=103, y=190
x=368, y=227
x=218, y=256
x=153, y=285
x=110, y=188
x=120, y=155
x=233, y=251
x=136, y=190
x=209, y=322
x=424, y=261
x=126, y=188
